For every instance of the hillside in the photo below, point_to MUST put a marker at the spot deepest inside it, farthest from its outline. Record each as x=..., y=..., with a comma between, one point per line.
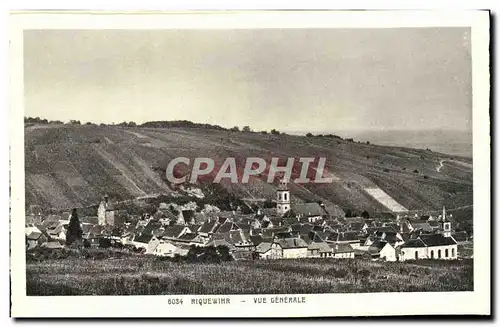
x=74, y=165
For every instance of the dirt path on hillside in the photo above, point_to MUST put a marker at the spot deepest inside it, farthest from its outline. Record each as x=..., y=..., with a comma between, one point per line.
x=441, y=164
x=460, y=163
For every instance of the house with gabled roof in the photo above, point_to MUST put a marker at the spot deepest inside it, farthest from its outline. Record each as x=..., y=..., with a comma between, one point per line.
x=164, y=215
x=30, y=227
x=151, y=225
x=238, y=238
x=146, y=242
x=263, y=250
x=386, y=234
x=288, y=248
x=191, y=239
x=272, y=232
x=301, y=228
x=170, y=249
x=383, y=250
x=210, y=226
x=56, y=230
x=310, y=211
x=435, y=225
x=227, y=226
x=318, y=249
x=342, y=250
x=175, y=231
x=410, y=225
x=349, y=237
x=35, y=239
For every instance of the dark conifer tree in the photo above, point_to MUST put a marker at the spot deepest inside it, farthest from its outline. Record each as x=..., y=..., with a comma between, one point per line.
x=74, y=231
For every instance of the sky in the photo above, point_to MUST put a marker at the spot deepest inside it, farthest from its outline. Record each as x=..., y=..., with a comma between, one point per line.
x=314, y=80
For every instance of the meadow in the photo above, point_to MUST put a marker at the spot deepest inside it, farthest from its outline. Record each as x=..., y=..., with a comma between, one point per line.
x=106, y=272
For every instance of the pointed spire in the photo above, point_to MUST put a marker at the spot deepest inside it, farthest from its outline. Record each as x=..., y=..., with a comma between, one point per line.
x=444, y=214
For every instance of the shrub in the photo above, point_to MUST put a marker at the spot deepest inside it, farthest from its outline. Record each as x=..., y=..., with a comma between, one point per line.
x=415, y=171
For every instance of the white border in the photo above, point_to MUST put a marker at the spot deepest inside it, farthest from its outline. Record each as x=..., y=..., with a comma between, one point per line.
x=477, y=302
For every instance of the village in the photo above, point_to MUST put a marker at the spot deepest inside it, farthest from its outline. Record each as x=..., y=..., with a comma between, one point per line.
x=286, y=231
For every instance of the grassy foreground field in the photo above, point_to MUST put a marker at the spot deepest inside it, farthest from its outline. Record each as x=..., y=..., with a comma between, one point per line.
x=145, y=275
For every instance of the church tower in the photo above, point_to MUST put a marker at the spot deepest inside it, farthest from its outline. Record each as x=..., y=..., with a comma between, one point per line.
x=446, y=224
x=282, y=198
x=101, y=210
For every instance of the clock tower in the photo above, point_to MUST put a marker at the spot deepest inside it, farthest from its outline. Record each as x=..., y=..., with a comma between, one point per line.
x=282, y=198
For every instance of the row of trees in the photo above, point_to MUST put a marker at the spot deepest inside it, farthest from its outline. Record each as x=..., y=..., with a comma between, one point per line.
x=350, y=214
x=152, y=124
x=324, y=135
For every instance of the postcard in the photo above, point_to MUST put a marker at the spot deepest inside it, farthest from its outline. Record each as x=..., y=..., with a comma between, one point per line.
x=249, y=163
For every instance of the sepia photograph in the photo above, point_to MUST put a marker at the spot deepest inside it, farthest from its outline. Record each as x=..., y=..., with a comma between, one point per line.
x=196, y=160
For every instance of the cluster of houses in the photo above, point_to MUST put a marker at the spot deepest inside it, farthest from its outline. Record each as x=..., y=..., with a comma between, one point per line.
x=301, y=230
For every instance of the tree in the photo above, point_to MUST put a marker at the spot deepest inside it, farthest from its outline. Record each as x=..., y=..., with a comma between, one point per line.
x=247, y=129
x=275, y=132
x=269, y=204
x=74, y=232
x=365, y=214
x=223, y=252
x=309, y=134
x=263, y=132
x=235, y=129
